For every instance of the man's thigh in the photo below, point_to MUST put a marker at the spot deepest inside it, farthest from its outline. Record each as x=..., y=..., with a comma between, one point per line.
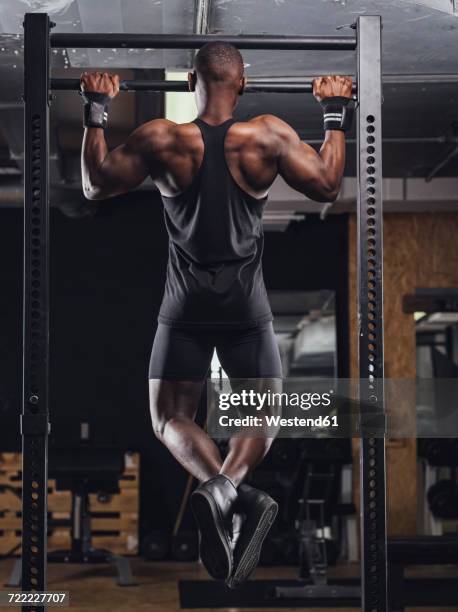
x=251, y=353
x=177, y=370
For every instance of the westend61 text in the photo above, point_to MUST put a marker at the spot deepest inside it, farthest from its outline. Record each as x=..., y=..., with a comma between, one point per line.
x=277, y=421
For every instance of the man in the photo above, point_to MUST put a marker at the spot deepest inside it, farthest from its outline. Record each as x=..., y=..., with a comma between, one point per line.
x=214, y=175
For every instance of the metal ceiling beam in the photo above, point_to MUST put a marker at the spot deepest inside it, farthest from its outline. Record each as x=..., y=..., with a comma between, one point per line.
x=202, y=18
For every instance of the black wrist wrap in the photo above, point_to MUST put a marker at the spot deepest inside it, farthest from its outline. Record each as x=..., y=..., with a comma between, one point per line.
x=95, y=109
x=337, y=113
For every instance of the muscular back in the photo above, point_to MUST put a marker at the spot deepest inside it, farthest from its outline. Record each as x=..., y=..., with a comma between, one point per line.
x=175, y=153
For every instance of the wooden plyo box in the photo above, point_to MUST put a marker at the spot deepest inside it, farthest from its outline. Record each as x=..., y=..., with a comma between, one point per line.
x=114, y=518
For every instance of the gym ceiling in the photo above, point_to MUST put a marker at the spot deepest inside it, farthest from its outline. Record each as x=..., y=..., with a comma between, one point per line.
x=420, y=53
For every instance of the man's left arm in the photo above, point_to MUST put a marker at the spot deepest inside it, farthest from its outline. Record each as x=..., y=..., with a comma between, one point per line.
x=108, y=173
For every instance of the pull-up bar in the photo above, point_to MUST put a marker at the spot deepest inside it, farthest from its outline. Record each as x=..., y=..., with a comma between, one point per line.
x=157, y=85
x=195, y=41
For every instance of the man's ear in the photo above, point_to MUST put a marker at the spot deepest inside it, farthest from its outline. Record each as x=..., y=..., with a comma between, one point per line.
x=243, y=82
x=192, y=78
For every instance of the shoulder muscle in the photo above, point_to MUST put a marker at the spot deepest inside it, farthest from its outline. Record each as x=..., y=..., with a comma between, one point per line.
x=149, y=137
x=276, y=132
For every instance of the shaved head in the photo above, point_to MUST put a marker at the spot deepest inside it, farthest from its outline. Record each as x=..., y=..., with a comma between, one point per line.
x=219, y=62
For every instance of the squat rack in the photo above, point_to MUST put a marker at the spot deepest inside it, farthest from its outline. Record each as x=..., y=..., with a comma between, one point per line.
x=35, y=426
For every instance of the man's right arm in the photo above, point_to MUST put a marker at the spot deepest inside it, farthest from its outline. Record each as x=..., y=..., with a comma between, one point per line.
x=318, y=175
x=109, y=173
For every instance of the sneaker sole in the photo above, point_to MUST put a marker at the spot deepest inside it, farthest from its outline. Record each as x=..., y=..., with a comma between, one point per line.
x=250, y=557
x=215, y=550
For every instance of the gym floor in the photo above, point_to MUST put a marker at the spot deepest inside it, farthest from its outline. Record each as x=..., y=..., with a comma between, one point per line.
x=92, y=587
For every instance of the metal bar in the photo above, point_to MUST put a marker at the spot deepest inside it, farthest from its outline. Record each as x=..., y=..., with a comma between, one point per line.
x=392, y=140
x=6, y=106
x=35, y=410
x=370, y=315
x=263, y=84
x=387, y=79
x=431, y=79
x=442, y=163
x=195, y=41
x=156, y=85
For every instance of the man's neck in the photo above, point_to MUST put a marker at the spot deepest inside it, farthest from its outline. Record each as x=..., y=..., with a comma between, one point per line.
x=217, y=109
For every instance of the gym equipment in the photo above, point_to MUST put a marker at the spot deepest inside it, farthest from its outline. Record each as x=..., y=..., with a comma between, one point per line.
x=263, y=595
x=439, y=452
x=319, y=484
x=318, y=508
x=154, y=85
x=185, y=545
x=155, y=545
x=422, y=550
x=84, y=471
x=431, y=300
x=35, y=413
x=443, y=499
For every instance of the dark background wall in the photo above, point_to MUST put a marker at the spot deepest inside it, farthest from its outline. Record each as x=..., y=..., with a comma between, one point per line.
x=107, y=277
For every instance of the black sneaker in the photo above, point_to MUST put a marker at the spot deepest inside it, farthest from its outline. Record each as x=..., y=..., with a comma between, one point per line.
x=259, y=511
x=212, y=505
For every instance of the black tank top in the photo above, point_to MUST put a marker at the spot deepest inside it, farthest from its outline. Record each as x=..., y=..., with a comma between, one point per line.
x=214, y=274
